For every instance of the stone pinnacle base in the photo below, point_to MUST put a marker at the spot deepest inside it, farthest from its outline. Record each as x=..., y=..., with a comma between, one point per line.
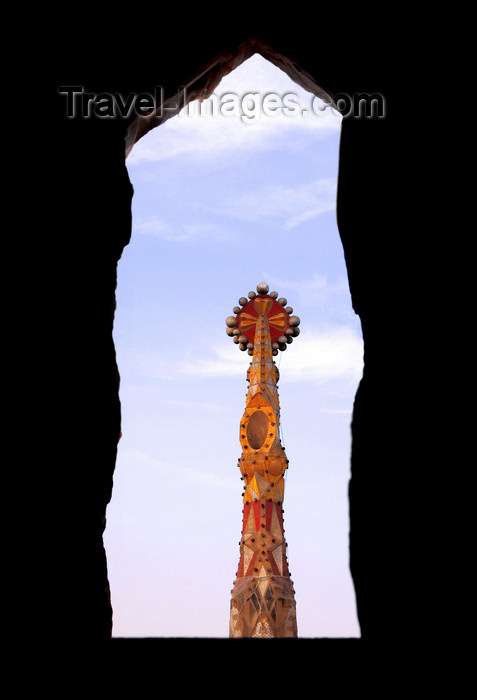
x=263, y=606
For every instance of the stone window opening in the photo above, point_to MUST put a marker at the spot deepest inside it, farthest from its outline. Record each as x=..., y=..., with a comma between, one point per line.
x=201, y=87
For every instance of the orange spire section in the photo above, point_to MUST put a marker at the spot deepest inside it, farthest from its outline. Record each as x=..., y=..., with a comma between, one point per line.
x=263, y=599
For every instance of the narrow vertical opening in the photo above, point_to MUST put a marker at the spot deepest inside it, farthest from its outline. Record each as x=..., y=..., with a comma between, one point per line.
x=236, y=190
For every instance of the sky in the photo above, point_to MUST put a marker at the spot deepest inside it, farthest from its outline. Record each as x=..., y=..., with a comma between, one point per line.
x=222, y=201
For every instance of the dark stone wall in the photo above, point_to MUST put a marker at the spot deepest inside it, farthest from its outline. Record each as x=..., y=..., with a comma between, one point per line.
x=86, y=223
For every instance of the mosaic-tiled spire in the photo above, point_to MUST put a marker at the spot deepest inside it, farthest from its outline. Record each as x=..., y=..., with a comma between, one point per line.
x=263, y=599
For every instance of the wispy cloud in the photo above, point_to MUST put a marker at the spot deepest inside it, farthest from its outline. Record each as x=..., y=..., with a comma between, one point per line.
x=180, y=232
x=333, y=354
x=139, y=460
x=210, y=130
x=329, y=355
x=202, y=406
x=330, y=299
x=291, y=205
x=287, y=207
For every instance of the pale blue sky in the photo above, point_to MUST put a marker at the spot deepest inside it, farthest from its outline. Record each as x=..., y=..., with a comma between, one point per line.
x=221, y=204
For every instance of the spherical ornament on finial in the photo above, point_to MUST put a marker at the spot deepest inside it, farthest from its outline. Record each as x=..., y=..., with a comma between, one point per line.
x=262, y=288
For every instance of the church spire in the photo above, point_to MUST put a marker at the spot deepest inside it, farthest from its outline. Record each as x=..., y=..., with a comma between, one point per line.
x=263, y=599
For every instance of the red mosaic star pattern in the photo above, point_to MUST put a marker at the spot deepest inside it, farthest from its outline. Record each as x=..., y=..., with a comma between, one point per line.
x=263, y=305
